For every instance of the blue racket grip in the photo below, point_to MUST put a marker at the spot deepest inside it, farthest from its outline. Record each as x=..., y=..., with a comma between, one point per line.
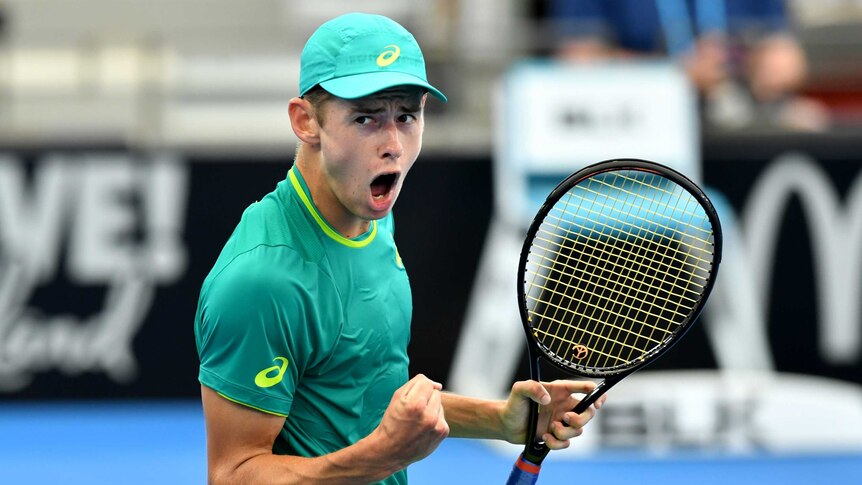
x=523, y=472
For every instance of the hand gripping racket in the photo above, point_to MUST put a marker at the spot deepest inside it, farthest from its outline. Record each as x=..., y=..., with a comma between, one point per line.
x=615, y=268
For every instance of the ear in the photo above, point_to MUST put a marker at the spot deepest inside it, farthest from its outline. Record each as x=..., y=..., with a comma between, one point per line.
x=303, y=121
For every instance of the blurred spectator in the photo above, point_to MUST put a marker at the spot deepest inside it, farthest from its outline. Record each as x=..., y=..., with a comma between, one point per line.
x=741, y=55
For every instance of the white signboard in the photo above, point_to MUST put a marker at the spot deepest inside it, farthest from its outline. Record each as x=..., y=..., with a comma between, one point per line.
x=723, y=414
x=556, y=118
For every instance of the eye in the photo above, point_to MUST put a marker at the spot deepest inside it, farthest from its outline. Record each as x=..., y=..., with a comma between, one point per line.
x=363, y=120
x=407, y=118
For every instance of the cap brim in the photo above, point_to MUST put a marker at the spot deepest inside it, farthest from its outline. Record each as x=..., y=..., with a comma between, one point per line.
x=360, y=85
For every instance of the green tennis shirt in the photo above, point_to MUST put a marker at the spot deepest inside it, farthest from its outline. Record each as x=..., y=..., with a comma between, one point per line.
x=297, y=321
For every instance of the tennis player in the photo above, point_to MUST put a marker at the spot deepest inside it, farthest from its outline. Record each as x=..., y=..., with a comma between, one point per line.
x=303, y=323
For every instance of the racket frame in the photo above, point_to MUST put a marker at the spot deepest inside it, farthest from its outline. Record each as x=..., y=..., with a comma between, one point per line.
x=535, y=450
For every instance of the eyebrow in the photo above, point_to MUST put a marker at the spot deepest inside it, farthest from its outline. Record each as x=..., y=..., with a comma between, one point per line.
x=374, y=107
x=405, y=99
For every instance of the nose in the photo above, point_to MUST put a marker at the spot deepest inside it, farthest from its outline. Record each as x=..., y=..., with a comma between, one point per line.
x=391, y=146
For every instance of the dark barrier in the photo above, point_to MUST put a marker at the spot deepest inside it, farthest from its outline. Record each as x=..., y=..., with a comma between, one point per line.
x=102, y=253
x=796, y=202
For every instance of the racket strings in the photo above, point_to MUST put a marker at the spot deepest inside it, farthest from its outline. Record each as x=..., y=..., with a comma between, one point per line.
x=618, y=332
x=588, y=310
x=604, y=283
x=620, y=264
x=687, y=259
x=617, y=317
x=681, y=259
x=658, y=229
x=595, y=311
x=645, y=237
x=615, y=332
x=659, y=188
x=616, y=342
x=617, y=265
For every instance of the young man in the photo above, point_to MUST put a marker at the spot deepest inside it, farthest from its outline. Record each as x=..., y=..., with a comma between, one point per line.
x=303, y=323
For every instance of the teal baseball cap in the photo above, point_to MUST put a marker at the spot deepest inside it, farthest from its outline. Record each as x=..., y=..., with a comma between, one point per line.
x=358, y=54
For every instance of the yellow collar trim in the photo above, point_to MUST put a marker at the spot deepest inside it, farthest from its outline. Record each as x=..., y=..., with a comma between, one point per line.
x=327, y=229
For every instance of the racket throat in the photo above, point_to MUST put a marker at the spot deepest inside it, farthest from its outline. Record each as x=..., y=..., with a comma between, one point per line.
x=593, y=395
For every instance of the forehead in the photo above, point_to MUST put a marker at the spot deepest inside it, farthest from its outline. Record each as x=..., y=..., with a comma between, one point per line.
x=405, y=95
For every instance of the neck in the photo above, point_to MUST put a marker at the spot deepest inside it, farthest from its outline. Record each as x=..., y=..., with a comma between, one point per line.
x=327, y=203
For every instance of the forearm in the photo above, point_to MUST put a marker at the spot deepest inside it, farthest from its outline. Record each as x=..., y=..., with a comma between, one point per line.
x=240, y=440
x=473, y=418
x=361, y=463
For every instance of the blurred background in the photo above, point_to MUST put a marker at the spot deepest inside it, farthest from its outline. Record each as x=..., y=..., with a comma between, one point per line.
x=133, y=133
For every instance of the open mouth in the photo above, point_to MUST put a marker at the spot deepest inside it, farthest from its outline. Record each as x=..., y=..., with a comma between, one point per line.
x=382, y=185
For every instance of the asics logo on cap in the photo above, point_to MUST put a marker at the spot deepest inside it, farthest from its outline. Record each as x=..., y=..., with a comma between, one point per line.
x=389, y=55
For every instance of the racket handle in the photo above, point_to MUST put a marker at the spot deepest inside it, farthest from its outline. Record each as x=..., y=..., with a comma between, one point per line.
x=523, y=472
x=535, y=451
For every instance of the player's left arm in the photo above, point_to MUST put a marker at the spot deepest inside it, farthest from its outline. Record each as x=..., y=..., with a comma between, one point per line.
x=506, y=420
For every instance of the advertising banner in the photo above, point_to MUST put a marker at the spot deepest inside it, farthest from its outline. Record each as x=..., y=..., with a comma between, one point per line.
x=103, y=250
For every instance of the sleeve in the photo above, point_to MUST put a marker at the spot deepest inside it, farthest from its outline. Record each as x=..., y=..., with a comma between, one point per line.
x=580, y=19
x=259, y=327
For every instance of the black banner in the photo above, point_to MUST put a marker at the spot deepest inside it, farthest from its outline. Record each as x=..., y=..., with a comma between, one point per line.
x=103, y=250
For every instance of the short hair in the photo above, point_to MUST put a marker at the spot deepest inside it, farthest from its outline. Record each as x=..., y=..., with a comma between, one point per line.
x=318, y=97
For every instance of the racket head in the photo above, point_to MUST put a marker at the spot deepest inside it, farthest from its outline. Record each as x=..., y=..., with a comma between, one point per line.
x=616, y=266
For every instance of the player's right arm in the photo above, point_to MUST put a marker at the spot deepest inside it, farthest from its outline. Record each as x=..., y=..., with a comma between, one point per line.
x=240, y=440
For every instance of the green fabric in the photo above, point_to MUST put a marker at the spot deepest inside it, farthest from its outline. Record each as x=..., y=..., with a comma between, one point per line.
x=358, y=54
x=298, y=321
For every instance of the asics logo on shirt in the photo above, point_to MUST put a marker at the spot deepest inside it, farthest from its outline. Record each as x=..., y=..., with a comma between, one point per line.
x=264, y=379
x=389, y=55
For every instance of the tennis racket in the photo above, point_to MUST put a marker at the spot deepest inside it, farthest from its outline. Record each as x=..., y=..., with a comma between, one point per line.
x=615, y=268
